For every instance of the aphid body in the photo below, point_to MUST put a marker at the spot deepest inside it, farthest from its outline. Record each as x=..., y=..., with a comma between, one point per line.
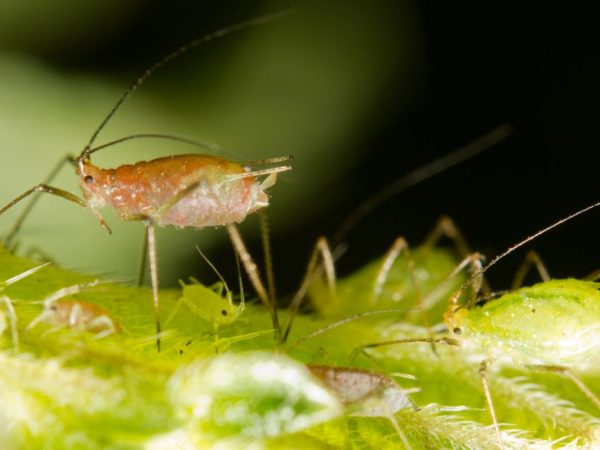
x=552, y=323
x=76, y=315
x=184, y=191
x=209, y=304
x=369, y=393
x=79, y=316
x=216, y=191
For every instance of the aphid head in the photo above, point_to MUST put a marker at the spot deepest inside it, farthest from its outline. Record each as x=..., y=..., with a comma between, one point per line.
x=92, y=181
x=455, y=318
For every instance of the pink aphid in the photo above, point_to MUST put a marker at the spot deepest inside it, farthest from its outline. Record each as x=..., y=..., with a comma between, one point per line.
x=184, y=190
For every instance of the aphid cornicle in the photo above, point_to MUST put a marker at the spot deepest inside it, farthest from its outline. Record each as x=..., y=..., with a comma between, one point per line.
x=183, y=191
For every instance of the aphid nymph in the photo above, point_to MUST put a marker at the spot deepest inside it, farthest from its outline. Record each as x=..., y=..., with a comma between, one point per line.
x=76, y=315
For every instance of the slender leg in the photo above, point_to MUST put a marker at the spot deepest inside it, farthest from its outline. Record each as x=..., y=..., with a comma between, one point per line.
x=531, y=259
x=253, y=274
x=446, y=227
x=34, y=190
x=268, y=255
x=144, y=259
x=312, y=271
x=361, y=349
x=19, y=222
x=400, y=246
x=153, y=276
x=569, y=374
x=488, y=397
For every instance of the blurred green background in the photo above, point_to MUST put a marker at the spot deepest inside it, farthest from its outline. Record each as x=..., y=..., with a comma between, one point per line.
x=360, y=92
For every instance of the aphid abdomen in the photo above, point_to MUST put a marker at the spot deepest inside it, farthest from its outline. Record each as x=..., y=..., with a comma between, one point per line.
x=555, y=322
x=378, y=394
x=150, y=189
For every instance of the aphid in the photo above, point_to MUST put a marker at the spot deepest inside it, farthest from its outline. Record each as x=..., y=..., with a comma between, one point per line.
x=212, y=304
x=8, y=303
x=366, y=393
x=183, y=191
x=549, y=326
x=76, y=315
x=417, y=278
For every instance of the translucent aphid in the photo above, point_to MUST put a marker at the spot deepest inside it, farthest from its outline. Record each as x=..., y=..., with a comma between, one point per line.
x=366, y=393
x=76, y=315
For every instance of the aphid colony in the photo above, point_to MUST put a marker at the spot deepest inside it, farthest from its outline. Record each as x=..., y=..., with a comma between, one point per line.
x=550, y=326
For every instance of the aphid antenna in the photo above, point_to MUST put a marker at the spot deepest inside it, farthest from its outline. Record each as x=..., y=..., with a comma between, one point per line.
x=419, y=175
x=200, y=144
x=477, y=275
x=344, y=321
x=165, y=60
x=22, y=275
x=216, y=271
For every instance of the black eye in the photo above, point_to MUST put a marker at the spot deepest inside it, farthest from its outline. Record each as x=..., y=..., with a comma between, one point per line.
x=223, y=312
x=53, y=308
x=457, y=331
x=88, y=179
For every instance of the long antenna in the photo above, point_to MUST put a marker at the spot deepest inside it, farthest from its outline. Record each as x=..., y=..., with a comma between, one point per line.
x=421, y=174
x=181, y=50
x=456, y=295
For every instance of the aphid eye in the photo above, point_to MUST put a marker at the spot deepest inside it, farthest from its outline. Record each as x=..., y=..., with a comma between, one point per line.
x=88, y=179
x=223, y=312
x=457, y=331
x=53, y=308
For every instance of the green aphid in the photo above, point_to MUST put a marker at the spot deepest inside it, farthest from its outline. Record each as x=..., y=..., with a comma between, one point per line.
x=556, y=322
x=358, y=292
x=549, y=326
x=213, y=304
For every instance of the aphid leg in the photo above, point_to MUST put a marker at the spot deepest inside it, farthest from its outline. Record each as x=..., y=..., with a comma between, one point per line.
x=341, y=322
x=19, y=222
x=254, y=275
x=106, y=322
x=532, y=258
x=70, y=290
x=143, y=259
x=569, y=374
x=446, y=227
x=488, y=397
x=12, y=316
x=40, y=188
x=76, y=321
x=153, y=275
x=362, y=349
x=267, y=254
x=594, y=276
x=313, y=270
x=401, y=246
